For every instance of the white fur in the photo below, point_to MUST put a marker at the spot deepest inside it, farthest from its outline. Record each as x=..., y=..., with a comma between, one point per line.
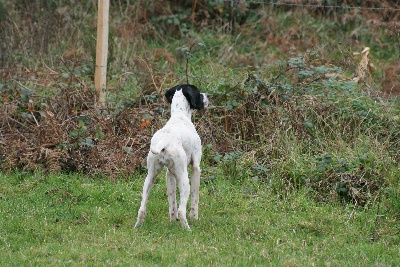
x=176, y=146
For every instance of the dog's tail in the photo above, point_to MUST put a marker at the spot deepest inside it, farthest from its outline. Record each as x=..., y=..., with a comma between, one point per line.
x=159, y=146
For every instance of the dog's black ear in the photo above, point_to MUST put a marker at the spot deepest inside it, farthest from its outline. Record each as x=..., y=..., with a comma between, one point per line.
x=170, y=93
x=193, y=96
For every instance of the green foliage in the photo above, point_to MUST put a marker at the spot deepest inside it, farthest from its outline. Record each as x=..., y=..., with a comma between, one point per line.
x=229, y=165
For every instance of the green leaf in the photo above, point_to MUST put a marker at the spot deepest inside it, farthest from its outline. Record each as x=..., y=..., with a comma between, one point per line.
x=327, y=158
x=74, y=134
x=88, y=142
x=308, y=124
x=128, y=150
x=85, y=119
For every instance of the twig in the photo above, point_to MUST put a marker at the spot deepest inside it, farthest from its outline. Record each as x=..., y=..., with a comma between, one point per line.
x=17, y=123
x=193, y=11
x=70, y=71
x=34, y=118
x=53, y=72
x=350, y=216
x=377, y=223
x=187, y=63
x=23, y=86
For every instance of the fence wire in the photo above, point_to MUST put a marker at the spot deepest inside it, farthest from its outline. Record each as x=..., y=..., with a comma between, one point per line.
x=293, y=4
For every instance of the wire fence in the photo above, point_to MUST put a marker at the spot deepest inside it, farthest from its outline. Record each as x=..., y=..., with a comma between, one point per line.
x=316, y=5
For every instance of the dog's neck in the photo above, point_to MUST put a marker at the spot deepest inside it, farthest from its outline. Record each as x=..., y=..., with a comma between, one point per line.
x=180, y=106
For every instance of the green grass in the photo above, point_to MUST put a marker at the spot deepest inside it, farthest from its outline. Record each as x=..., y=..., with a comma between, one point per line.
x=73, y=220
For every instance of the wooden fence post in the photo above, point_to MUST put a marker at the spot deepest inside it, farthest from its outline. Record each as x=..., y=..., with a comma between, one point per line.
x=100, y=79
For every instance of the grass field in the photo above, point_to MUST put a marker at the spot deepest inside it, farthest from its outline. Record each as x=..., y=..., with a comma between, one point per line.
x=72, y=220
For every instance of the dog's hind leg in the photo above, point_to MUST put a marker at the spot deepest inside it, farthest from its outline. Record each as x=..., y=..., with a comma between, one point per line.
x=179, y=169
x=171, y=192
x=184, y=191
x=154, y=168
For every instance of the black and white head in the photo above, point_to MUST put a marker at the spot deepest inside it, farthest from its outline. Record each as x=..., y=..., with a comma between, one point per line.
x=192, y=94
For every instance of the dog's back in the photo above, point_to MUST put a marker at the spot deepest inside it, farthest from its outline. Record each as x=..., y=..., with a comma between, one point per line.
x=178, y=133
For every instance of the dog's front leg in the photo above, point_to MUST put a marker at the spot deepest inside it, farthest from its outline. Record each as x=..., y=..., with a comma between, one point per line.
x=171, y=192
x=194, y=188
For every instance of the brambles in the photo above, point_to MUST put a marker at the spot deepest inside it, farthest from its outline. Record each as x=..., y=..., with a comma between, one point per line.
x=66, y=133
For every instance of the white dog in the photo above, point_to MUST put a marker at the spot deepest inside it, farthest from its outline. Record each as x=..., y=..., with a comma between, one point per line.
x=176, y=146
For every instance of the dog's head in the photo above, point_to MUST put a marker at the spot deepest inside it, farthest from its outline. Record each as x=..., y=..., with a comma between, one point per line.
x=196, y=99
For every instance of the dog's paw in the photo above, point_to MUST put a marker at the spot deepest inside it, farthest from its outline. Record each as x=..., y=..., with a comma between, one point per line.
x=183, y=221
x=140, y=218
x=185, y=224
